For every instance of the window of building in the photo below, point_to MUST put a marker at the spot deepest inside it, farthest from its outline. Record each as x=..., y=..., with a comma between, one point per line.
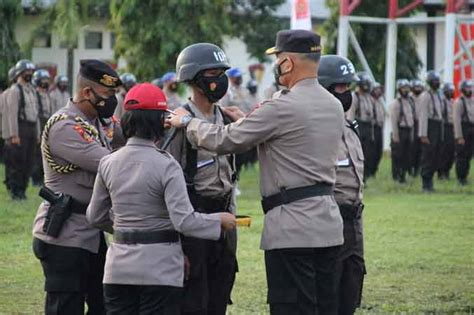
x=93, y=40
x=43, y=41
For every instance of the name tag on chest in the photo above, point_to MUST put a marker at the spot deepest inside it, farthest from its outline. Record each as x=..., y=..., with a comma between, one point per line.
x=343, y=163
x=205, y=163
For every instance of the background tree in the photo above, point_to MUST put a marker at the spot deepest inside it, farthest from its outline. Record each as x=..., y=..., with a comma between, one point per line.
x=10, y=11
x=150, y=34
x=372, y=38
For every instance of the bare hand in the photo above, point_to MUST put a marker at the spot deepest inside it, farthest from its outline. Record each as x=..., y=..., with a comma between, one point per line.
x=424, y=140
x=15, y=140
x=233, y=112
x=175, y=120
x=461, y=141
x=187, y=268
x=228, y=221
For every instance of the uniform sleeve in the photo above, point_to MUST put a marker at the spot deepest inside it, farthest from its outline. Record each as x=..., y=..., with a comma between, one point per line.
x=183, y=217
x=457, y=118
x=261, y=125
x=98, y=211
x=69, y=141
x=394, y=119
x=423, y=115
x=11, y=111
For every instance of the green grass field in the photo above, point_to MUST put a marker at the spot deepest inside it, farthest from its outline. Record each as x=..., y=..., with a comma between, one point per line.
x=419, y=250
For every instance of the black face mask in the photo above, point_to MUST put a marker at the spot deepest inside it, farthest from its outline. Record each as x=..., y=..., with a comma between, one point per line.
x=365, y=87
x=417, y=91
x=213, y=87
x=345, y=98
x=252, y=90
x=174, y=87
x=434, y=85
x=467, y=93
x=27, y=77
x=403, y=94
x=277, y=71
x=44, y=85
x=448, y=95
x=105, y=107
x=238, y=81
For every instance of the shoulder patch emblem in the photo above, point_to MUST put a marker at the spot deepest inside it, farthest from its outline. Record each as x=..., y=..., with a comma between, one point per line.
x=80, y=130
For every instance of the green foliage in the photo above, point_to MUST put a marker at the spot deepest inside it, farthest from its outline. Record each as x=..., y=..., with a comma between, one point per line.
x=150, y=34
x=372, y=38
x=10, y=11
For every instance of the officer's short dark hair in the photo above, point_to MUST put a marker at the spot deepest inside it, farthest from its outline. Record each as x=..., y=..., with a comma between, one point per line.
x=146, y=124
x=314, y=57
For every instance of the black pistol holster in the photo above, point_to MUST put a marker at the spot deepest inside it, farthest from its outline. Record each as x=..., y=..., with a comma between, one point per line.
x=58, y=212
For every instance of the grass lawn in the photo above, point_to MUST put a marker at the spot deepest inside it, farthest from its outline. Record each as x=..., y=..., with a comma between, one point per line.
x=419, y=250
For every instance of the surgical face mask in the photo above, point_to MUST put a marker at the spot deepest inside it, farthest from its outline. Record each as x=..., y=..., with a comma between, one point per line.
x=277, y=73
x=105, y=107
x=213, y=87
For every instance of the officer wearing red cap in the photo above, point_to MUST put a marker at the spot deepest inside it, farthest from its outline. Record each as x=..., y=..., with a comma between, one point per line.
x=298, y=133
x=140, y=196
x=71, y=252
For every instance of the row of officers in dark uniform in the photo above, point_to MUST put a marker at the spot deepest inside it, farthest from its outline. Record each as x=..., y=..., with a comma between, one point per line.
x=168, y=198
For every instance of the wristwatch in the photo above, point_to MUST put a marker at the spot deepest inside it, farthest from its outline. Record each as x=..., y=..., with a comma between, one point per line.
x=185, y=120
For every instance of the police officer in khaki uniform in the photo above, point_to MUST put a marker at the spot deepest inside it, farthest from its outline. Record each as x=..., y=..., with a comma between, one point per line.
x=430, y=129
x=210, y=181
x=128, y=81
x=463, y=119
x=5, y=130
x=402, y=113
x=417, y=89
x=20, y=116
x=380, y=113
x=41, y=80
x=237, y=95
x=446, y=159
x=60, y=95
x=71, y=252
x=171, y=88
x=298, y=134
x=140, y=195
x=348, y=188
x=363, y=111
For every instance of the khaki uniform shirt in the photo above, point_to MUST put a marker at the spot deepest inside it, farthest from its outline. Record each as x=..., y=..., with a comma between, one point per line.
x=298, y=134
x=139, y=188
x=173, y=99
x=214, y=173
x=430, y=108
x=447, y=110
x=11, y=108
x=3, y=126
x=350, y=169
x=59, y=99
x=417, y=101
x=238, y=96
x=362, y=108
x=463, y=112
x=402, y=114
x=379, y=111
x=69, y=143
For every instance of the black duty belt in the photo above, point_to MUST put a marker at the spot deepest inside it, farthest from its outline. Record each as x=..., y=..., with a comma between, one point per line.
x=151, y=237
x=78, y=207
x=286, y=196
x=210, y=204
x=351, y=212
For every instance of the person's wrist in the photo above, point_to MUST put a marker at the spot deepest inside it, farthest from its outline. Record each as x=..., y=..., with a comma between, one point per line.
x=184, y=120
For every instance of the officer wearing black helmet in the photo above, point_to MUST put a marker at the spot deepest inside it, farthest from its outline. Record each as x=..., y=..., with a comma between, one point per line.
x=402, y=117
x=21, y=118
x=60, y=94
x=417, y=88
x=363, y=110
x=349, y=186
x=210, y=181
x=446, y=159
x=298, y=133
x=380, y=113
x=464, y=130
x=4, y=130
x=41, y=81
x=430, y=129
x=128, y=81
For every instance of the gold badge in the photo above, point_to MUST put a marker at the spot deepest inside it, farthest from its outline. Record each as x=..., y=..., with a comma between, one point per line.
x=108, y=80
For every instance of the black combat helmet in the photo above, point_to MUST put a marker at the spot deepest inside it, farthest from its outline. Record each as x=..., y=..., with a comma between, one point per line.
x=23, y=65
x=198, y=57
x=365, y=82
x=128, y=80
x=448, y=87
x=466, y=87
x=39, y=75
x=11, y=74
x=416, y=83
x=61, y=79
x=334, y=69
x=433, y=79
